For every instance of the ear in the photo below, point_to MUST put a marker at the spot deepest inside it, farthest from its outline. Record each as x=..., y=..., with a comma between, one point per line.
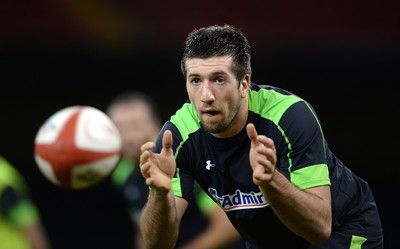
x=244, y=86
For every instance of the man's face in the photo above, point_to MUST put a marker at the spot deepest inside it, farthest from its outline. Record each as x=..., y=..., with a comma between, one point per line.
x=136, y=126
x=216, y=94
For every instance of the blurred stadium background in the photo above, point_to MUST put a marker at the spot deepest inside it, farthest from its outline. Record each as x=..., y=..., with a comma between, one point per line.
x=342, y=56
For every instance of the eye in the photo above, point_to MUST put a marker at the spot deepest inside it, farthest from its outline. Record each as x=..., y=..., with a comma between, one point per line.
x=194, y=81
x=220, y=80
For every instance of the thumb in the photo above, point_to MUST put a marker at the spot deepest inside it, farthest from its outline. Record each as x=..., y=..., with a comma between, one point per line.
x=167, y=142
x=252, y=133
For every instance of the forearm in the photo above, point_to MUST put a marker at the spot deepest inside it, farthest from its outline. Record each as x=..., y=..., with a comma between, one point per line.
x=210, y=241
x=37, y=236
x=219, y=234
x=306, y=214
x=159, y=222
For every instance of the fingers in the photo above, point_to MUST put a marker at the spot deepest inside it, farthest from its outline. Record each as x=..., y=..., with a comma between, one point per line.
x=267, y=142
x=158, y=168
x=251, y=132
x=258, y=139
x=147, y=146
x=144, y=162
x=262, y=156
x=146, y=150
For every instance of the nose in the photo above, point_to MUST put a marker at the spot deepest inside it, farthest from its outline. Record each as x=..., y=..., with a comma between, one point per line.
x=207, y=93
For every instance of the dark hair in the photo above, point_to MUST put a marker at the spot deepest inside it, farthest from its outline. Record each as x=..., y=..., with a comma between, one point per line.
x=135, y=97
x=219, y=41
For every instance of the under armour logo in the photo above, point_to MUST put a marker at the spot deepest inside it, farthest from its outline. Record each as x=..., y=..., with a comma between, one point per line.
x=209, y=164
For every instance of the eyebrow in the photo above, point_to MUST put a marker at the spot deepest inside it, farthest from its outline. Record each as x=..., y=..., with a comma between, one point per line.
x=219, y=72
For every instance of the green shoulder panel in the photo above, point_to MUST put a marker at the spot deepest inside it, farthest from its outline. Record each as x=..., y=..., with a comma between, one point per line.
x=187, y=122
x=271, y=105
x=264, y=101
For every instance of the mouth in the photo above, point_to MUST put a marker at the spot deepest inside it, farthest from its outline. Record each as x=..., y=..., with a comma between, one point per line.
x=209, y=113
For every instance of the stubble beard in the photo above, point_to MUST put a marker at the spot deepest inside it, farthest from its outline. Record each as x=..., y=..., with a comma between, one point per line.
x=224, y=124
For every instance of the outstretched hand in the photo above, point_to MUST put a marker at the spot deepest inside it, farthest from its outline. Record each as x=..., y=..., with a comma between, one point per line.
x=262, y=156
x=158, y=168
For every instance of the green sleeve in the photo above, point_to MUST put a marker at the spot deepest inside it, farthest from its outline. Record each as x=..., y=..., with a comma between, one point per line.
x=24, y=214
x=205, y=202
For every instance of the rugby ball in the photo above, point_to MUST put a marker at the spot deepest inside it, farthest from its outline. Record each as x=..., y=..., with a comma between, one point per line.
x=77, y=147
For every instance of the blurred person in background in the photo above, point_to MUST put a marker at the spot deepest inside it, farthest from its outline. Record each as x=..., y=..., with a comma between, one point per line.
x=20, y=222
x=205, y=225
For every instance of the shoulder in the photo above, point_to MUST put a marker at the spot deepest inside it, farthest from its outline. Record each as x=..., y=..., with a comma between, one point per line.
x=272, y=102
x=184, y=122
x=10, y=176
x=290, y=114
x=186, y=117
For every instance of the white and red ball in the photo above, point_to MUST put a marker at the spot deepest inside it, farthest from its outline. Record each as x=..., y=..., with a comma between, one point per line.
x=77, y=147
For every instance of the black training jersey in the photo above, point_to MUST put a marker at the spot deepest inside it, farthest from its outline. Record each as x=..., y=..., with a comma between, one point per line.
x=222, y=168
